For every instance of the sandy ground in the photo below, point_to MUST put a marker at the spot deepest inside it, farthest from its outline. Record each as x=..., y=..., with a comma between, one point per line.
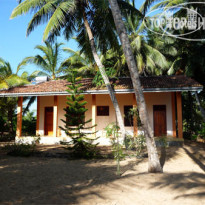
x=37, y=180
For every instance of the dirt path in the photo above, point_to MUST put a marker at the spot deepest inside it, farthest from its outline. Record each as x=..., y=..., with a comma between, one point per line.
x=38, y=180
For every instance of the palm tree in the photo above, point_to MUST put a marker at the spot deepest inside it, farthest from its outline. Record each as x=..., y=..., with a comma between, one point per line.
x=49, y=62
x=9, y=79
x=154, y=164
x=90, y=18
x=149, y=58
x=80, y=62
x=152, y=54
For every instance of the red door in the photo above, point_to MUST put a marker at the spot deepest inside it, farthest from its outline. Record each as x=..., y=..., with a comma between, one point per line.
x=49, y=121
x=160, y=121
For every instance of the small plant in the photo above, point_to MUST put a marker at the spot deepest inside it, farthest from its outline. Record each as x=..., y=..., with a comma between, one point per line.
x=136, y=143
x=21, y=150
x=112, y=132
x=163, y=141
x=140, y=144
x=130, y=142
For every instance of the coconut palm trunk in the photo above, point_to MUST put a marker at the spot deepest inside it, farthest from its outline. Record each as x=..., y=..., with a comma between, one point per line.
x=153, y=164
x=104, y=76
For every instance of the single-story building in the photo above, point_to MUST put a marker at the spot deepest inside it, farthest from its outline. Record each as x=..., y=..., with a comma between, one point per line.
x=162, y=96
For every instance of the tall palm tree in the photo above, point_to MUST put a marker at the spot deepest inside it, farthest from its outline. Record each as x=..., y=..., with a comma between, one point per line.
x=90, y=17
x=154, y=164
x=49, y=63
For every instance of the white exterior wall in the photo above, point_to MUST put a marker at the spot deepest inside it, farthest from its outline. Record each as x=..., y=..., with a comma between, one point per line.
x=102, y=121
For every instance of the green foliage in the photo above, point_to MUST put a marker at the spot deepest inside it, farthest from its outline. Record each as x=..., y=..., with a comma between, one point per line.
x=75, y=123
x=79, y=62
x=98, y=80
x=202, y=131
x=200, y=134
x=6, y=138
x=20, y=150
x=112, y=132
x=9, y=79
x=29, y=124
x=136, y=143
x=134, y=112
x=49, y=62
x=192, y=119
x=66, y=17
x=7, y=112
x=140, y=144
x=2, y=125
x=163, y=141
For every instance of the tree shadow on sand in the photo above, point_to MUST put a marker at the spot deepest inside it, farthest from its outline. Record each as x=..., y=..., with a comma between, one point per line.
x=39, y=180
x=182, y=183
x=54, y=181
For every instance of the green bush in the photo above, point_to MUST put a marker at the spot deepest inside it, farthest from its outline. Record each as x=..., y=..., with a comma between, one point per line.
x=136, y=143
x=200, y=134
x=22, y=150
x=202, y=131
x=6, y=138
x=29, y=124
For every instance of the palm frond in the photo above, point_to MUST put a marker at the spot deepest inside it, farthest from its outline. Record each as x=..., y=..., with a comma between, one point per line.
x=26, y=6
x=58, y=18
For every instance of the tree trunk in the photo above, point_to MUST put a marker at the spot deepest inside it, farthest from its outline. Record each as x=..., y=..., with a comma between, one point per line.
x=104, y=76
x=153, y=164
x=200, y=107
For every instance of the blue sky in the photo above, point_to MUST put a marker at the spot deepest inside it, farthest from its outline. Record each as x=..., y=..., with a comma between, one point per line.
x=14, y=45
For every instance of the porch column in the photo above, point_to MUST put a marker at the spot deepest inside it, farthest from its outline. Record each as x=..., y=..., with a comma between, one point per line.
x=179, y=115
x=55, y=117
x=135, y=117
x=173, y=115
x=38, y=116
x=94, y=114
x=19, y=117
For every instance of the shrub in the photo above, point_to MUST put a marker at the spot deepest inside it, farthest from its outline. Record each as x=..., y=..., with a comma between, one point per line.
x=136, y=143
x=6, y=138
x=22, y=150
x=29, y=124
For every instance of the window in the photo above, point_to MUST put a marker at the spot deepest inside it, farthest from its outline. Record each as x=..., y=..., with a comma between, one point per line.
x=128, y=118
x=102, y=110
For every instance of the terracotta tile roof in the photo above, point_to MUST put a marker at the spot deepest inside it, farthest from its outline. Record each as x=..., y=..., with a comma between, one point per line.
x=148, y=83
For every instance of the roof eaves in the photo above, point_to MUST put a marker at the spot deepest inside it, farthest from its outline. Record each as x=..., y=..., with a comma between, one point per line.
x=118, y=91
